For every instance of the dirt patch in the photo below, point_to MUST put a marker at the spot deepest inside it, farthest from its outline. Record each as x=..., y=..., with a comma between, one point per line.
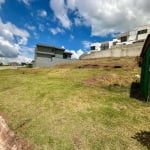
x=8, y=141
x=106, y=79
x=7, y=67
x=109, y=63
x=105, y=66
x=103, y=63
x=89, y=66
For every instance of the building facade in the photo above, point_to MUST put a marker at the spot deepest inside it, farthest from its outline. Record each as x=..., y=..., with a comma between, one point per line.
x=46, y=56
x=137, y=35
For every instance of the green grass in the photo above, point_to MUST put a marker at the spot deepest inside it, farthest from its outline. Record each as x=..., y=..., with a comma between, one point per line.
x=69, y=108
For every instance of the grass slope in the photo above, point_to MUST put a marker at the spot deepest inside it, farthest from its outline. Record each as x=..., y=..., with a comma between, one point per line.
x=84, y=105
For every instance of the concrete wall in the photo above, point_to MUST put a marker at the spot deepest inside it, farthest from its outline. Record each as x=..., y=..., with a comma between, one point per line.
x=131, y=50
x=48, y=62
x=57, y=61
x=59, y=54
x=142, y=36
x=43, y=61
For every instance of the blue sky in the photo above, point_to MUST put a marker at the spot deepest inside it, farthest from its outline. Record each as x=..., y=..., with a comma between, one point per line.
x=72, y=24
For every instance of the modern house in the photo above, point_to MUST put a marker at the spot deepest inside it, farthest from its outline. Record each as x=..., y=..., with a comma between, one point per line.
x=13, y=64
x=137, y=35
x=46, y=56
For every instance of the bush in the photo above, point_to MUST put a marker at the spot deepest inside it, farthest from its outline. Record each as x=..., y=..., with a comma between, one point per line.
x=29, y=65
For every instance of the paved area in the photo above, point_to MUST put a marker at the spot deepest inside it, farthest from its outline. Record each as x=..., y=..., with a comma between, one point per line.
x=8, y=67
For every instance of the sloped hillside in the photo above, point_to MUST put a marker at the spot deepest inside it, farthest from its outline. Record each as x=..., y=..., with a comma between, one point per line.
x=85, y=105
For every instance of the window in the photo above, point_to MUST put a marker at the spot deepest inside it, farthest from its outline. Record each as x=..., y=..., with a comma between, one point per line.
x=124, y=39
x=114, y=43
x=65, y=56
x=93, y=47
x=105, y=46
x=142, y=31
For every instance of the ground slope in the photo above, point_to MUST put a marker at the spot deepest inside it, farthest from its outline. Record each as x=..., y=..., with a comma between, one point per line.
x=85, y=105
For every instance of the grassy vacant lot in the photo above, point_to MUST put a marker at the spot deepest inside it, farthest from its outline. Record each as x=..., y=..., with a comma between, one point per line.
x=80, y=106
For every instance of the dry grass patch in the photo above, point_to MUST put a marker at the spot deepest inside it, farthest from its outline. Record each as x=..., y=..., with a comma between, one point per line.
x=74, y=108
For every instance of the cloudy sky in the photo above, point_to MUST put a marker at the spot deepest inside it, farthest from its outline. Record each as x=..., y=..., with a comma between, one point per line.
x=72, y=24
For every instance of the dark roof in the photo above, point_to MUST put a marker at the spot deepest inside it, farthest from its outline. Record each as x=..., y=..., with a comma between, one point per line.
x=145, y=46
x=68, y=53
x=44, y=45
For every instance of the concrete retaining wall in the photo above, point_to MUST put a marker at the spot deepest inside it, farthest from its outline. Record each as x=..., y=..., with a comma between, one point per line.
x=57, y=61
x=131, y=50
x=48, y=62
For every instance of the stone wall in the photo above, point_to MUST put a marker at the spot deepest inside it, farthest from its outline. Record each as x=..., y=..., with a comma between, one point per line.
x=131, y=50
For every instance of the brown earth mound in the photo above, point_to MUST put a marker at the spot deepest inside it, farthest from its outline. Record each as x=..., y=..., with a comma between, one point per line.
x=8, y=141
x=106, y=80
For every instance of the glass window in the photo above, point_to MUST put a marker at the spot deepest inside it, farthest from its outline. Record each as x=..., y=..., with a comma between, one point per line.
x=124, y=39
x=105, y=46
x=142, y=31
x=93, y=47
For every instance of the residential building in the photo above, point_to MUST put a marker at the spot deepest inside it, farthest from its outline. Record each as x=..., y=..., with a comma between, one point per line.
x=137, y=35
x=46, y=56
x=13, y=64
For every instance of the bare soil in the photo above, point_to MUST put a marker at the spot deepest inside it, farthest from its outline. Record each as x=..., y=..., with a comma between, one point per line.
x=8, y=140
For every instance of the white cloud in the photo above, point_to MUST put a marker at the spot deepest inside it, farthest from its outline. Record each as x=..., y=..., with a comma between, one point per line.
x=76, y=54
x=60, y=11
x=77, y=21
x=112, y=16
x=80, y=20
x=23, y=41
x=63, y=46
x=72, y=37
x=42, y=13
x=9, y=31
x=25, y=55
x=41, y=27
x=1, y=2
x=8, y=49
x=104, y=17
x=26, y=2
x=22, y=58
x=12, y=42
x=18, y=59
x=36, y=35
x=86, y=44
x=30, y=27
x=55, y=31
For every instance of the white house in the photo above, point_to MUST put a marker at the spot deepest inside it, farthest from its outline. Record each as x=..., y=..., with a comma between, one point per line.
x=137, y=35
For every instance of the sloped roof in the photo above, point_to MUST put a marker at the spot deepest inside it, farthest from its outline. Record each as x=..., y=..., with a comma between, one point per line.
x=44, y=45
x=145, y=46
x=50, y=46
x=68, y=53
